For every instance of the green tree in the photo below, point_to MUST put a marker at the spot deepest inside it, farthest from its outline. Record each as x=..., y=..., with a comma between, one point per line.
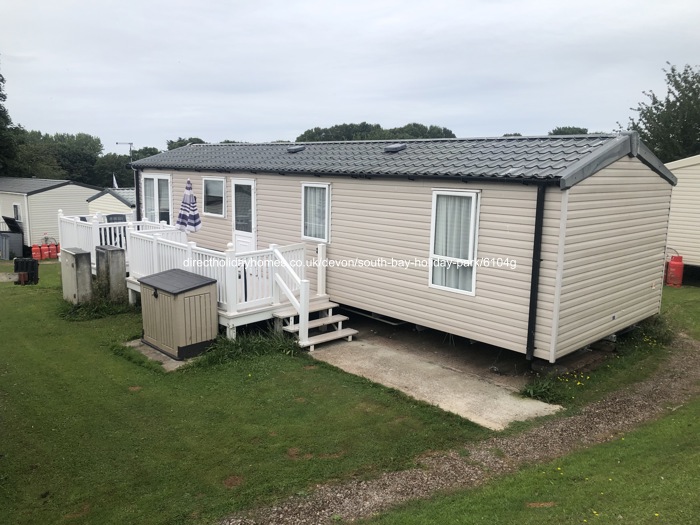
x=179, y=142
x=365, y=131
x=77, y=155
x=568, y=130
x=113, y=164
x=512, y=135
x=8, y=145
x=142, y=153
x=670, y=126
x=35, y=156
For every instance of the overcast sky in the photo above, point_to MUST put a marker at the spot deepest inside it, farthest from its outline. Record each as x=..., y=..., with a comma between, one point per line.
x=150, y=70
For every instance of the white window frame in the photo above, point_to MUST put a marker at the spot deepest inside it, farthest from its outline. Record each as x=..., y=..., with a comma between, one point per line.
x=473, y=239
x=222, y=180
x=156, y=177
x=327, y=187
x=18, y=215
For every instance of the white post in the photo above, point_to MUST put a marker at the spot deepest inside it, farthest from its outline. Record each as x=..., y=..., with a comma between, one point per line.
x=231, y=285
x=95, y=236
x=127, y=248
x=156, y=258
x=321, y=270
x=60, y=230
x=273, y=270
x=191, y=245
x=304, y=312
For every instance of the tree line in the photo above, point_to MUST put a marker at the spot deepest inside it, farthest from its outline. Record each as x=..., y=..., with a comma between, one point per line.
x=669, y=125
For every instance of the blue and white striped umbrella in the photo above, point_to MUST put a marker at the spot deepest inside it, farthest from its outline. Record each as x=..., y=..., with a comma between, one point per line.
x=188, y=220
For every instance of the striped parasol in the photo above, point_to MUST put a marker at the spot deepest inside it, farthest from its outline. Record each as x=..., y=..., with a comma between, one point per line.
x=188, y=220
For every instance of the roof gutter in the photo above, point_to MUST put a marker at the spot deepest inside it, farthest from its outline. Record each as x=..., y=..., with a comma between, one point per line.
x=409, y=176
x=137, y=188
x=535, y=276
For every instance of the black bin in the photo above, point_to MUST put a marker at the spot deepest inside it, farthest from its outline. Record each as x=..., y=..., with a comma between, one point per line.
x=30, y=267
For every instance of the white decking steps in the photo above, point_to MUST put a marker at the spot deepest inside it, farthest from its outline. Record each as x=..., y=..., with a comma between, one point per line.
x=318, y=323
x=313, y=307
x=345, y=333
x=288, y=322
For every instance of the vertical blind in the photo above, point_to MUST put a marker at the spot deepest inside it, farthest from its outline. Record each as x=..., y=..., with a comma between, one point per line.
x=452, y=238
x=315, y=212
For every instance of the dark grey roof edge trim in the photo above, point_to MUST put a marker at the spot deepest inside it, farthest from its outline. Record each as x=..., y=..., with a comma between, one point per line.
x=647, y=157
x=590, y=164
x=405, y=176
x=108, y=191
x=627, y=143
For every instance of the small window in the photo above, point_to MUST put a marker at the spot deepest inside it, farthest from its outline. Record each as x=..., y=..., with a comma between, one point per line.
x=453, y=241
x=16, y=212
x=315, y=212
x=214, y=197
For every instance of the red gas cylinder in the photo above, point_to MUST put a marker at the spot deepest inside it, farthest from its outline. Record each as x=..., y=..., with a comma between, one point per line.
x=44, y=251
x=674, y=275
x=52, y=251
x=36, y=252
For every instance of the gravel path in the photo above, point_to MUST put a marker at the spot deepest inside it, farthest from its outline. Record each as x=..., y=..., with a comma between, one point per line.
x=677, y=381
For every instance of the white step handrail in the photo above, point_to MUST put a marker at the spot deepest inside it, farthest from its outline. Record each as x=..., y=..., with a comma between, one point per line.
x=301, y=305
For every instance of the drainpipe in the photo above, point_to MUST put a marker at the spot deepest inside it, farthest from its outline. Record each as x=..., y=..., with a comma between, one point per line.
x=535, y=277
x=137, y=189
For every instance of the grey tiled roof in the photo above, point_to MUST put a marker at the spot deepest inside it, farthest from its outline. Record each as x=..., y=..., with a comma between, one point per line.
x=28, y=186
x=550, y=157
x=125, y=195
x=32, y=186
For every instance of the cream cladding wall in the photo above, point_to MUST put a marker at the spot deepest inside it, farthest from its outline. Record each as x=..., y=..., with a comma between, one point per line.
x=684, y=223
x=614, y=253
x=44, y=207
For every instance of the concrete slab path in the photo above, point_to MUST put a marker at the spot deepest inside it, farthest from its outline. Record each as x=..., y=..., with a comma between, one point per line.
x=423, y=376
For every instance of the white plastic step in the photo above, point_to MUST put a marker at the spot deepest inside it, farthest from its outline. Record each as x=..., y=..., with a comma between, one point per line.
x=316, y=323
x=313, y=307
x=345, y=333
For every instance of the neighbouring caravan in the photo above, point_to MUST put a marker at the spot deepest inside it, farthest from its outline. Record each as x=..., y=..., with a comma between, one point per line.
x=684, y=222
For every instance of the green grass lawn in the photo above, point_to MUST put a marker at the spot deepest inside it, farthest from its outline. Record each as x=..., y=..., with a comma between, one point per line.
x=683, y=304
x=650, y=476
x=91, y=437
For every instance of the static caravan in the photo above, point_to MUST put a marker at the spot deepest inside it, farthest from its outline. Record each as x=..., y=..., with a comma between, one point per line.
x=113, y=201
x=539, y=245
x=684, y=223
x=34, y=204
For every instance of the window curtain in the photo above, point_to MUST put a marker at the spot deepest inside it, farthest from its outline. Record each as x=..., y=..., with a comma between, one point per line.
x=214, y=196
x=164, y=200
x=243, y=206
x=315, y=212
x=149, y=199
x=452, y=239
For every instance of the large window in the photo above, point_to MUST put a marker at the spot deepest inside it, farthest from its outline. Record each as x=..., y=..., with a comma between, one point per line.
x=453, y=240
x=214, y=197
x=315, y=212
x=156, y=198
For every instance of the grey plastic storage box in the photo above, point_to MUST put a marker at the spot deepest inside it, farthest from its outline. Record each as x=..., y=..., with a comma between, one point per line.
x=179, y=312
x=10, y=245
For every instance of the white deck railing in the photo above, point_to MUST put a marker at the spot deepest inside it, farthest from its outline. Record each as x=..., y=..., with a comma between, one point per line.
x=244, y=281
x=88, y=231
